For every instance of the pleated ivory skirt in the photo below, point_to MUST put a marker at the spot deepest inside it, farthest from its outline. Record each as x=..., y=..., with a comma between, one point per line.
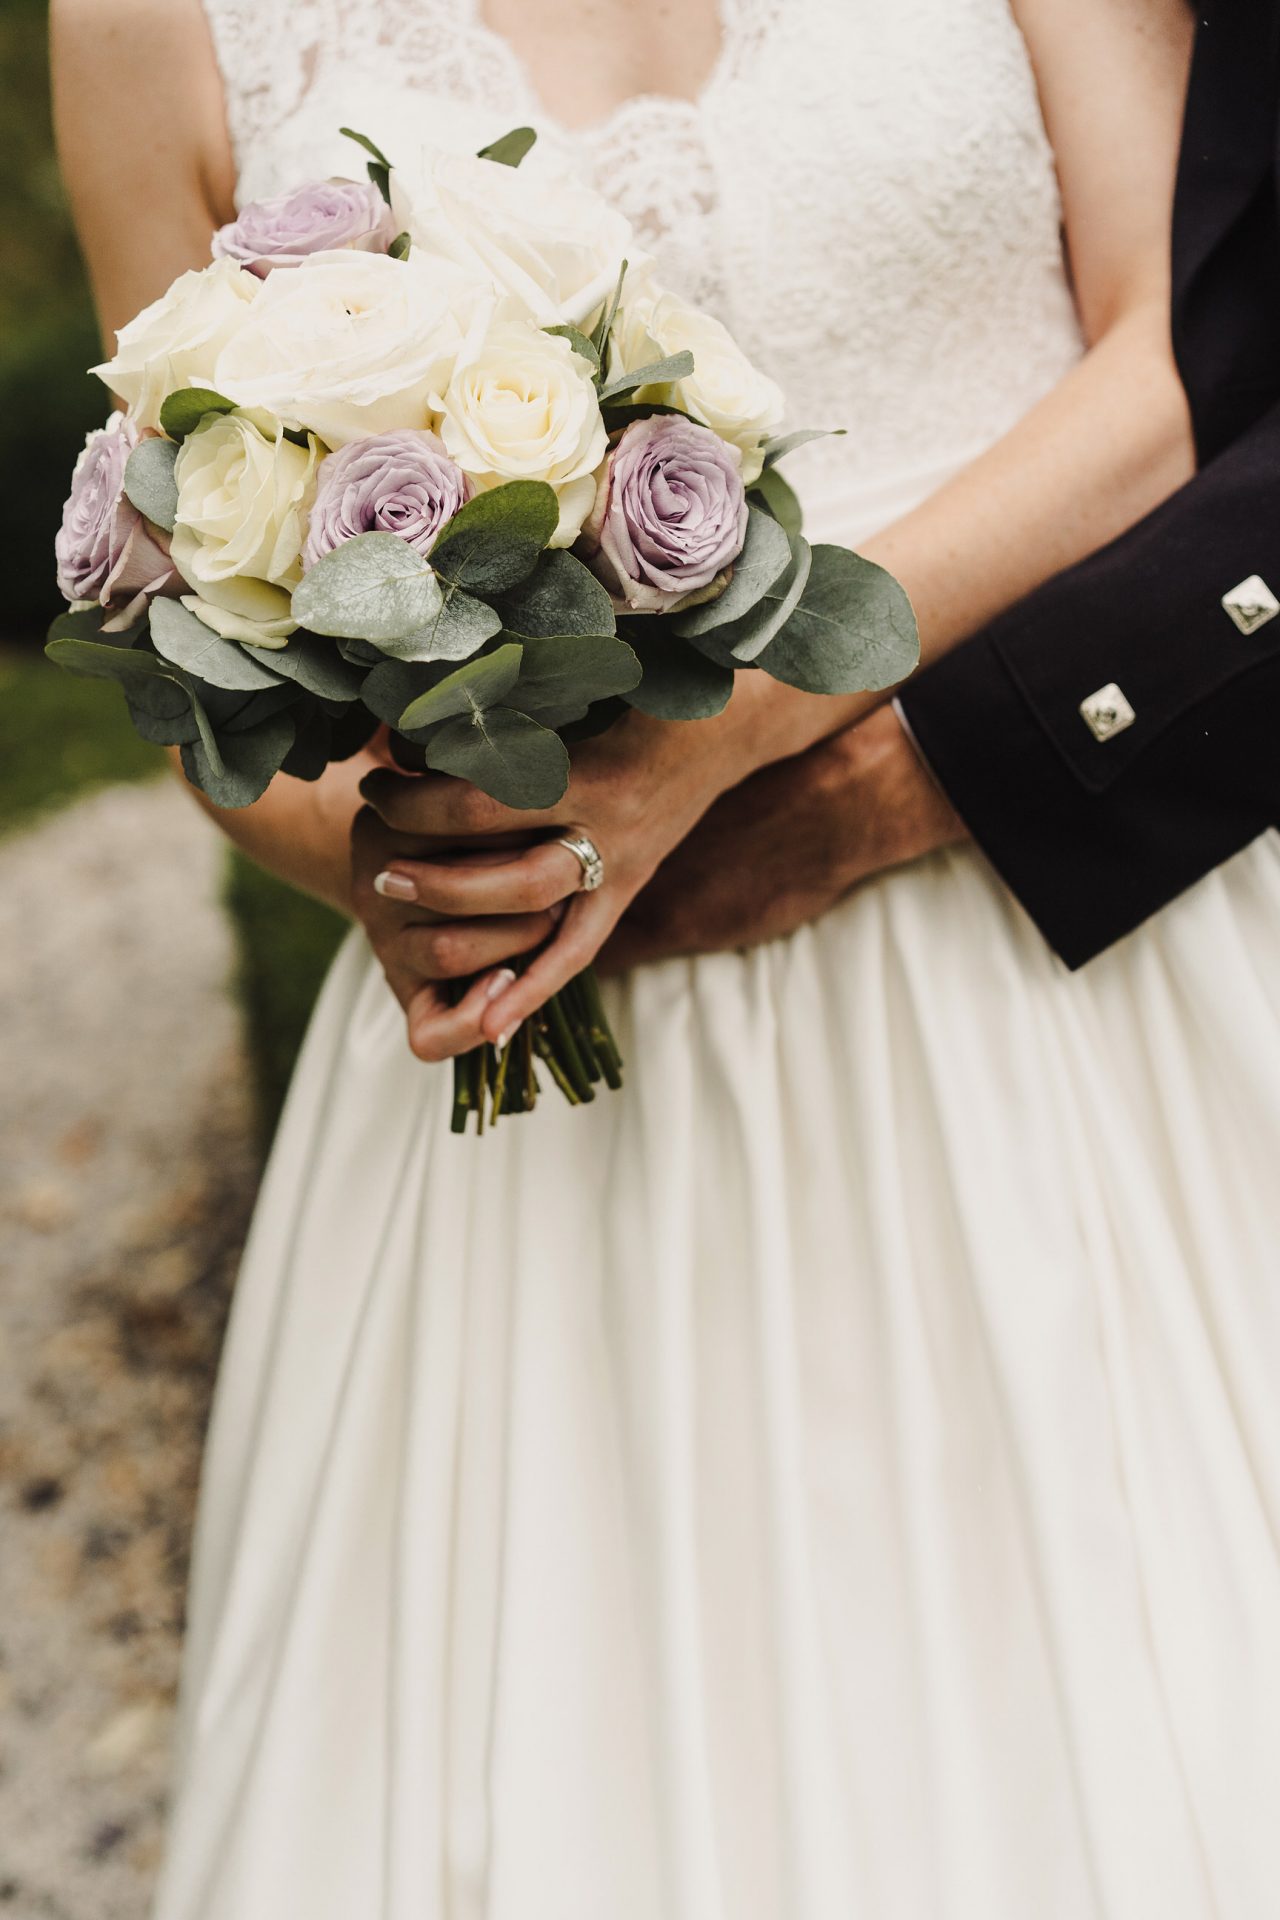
x=836, y=1479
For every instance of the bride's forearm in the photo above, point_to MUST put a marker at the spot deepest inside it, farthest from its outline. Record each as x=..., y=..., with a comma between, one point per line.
x=301, y=830
x=1104, y=447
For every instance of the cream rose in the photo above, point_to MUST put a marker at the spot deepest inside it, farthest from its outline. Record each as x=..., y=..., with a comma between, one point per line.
x=522, y=406
x=176, y=341
x=349, y=344
x=533, y=233
x=243, y=495
x=724, y=391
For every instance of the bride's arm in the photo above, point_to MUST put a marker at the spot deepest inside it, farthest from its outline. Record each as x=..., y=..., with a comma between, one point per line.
x=142, y=139
x=1107, y=444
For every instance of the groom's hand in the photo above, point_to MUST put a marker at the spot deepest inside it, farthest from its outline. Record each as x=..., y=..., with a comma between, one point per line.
x=788, y=844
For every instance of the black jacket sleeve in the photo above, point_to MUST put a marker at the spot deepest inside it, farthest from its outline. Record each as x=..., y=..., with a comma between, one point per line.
x=1093, y=835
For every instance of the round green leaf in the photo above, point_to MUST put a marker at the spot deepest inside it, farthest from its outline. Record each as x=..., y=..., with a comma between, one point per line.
x=182, y=638
x=494, y=541
x=317, y=667
x=562, y=675
x=853, y=631
x=507, y=755
x=374, y=587
x=186, y=407
x=678, y=682
x=149, y=481
x=559, y=596
x=244, y=765
x=470, y=689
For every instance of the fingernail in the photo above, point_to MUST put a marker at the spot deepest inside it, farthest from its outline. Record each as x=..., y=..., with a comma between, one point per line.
x=505, y=1038
x=395, y=886
x=501, y=980
x=559, y=910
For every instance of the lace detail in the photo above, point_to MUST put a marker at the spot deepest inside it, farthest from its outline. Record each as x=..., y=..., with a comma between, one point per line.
x=863, y=191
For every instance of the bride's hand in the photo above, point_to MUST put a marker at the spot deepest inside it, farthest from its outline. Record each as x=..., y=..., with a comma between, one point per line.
x=439, y=912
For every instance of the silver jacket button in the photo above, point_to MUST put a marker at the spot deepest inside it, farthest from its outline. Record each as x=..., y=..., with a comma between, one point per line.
x=1107, y=712
x=1252, y=604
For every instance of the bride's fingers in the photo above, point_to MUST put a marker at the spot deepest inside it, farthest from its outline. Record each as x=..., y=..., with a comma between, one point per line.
x=458, y=948
x=528, y=882
x=586, y=926
x=438, y=1031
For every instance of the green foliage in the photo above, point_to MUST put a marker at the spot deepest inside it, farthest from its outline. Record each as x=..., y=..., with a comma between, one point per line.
x=658, y=373
x=469, y=690
x=60, y=737
x=149, y=481
x=559, y=596
x=519, y=762
x=680, y=682
x=375, y=587
x=186, y=407
x=184, y=640
x=285, y=942
x=853, y=630
x=584, y=348
x=511, y=149
x=765, y=556
x=494, y=542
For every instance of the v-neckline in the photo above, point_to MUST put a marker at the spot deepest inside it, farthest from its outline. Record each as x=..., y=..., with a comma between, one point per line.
x=681, y=104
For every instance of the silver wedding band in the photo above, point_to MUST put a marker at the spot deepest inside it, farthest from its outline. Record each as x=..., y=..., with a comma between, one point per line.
x=587, y=854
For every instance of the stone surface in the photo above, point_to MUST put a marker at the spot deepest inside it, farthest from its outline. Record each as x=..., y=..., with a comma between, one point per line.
x=127, y=1168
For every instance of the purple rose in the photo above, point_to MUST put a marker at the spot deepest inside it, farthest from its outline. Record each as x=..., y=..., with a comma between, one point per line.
x=400, y=482
x=670, y=516
x=320, y=218
x=105, y=550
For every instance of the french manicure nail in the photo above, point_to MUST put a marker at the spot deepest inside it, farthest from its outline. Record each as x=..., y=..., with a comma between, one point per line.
x=501, y=980
x=504, y=1039
x=559, y=910
x=395, y=886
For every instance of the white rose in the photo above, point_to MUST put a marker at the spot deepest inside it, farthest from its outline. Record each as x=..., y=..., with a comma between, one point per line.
x=522, y=406
x=724, y=391
x=348, y=344
x=176, y=341
x=243, y=496
x=534, y=233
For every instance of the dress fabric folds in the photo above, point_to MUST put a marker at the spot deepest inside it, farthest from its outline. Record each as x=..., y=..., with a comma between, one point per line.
x=839, y=1477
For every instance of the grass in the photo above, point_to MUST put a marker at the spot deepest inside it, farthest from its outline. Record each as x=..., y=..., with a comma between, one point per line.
x=285, y=942
x=61, y=737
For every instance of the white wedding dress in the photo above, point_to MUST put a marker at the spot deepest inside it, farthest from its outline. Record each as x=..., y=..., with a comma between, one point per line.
x=838, y=1478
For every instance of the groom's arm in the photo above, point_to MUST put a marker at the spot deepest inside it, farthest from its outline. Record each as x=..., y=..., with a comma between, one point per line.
x=1094, y=818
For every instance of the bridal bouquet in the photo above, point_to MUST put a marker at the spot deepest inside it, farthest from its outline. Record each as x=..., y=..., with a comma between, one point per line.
x=437, y=454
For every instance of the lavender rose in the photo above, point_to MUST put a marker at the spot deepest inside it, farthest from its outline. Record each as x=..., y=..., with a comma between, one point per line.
x=670, y=516
x=400, y=482
x=324, y=217
x=105, y=550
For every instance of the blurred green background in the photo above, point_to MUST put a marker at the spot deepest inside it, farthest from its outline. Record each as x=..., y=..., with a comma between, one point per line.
x=59, y=736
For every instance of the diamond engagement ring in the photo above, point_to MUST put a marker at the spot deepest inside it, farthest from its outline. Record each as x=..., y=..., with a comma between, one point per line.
x=587, y=853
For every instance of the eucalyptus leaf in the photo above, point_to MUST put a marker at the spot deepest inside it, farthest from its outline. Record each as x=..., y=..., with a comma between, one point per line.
x=363, y=140
x=585, y=348
x=99, y=660
x=149, y=481
x=469, y=689
x=853, y=631
x=562, y=675
x=374, y=587
x=494, y=541
x=658, y=373
x=765, y=557
x=679, y=682
x=620, y=413
x=507, y=755
x=161, y=711
x=86, y=623
x=361, y=653
x=559, y=596
x=317, y=667
x=186, y=407
x=775, y=450
x=778, y=496
x=604, y=325
x=186, y=641
x=399, y=247
x=388, y=690
x=457, y=630
x=309, y=755
x=742, y=642
x=245, y=763
x=381, y=178
x=511, y=149
x=350, y=731
x=260, y=706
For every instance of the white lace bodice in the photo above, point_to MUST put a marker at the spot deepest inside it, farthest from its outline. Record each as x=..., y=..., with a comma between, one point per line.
x=863, y=191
